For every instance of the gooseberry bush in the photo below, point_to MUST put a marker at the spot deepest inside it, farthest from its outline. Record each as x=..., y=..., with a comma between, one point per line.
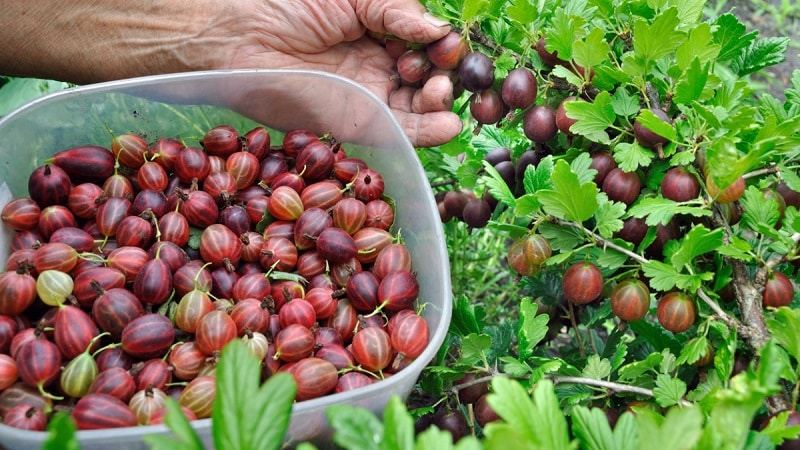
x=646, y=190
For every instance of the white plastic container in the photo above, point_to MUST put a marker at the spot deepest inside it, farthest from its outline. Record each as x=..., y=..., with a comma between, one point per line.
x=185, y=105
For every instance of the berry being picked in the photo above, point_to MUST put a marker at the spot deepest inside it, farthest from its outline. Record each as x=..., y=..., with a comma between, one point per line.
x=413, y=65
x=486, y=107
x=448, y=52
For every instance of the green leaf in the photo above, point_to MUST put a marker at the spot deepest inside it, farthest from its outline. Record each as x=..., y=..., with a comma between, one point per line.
x=398, y=426
x=473, y=9
x=656, y=336
x=497, y=186
x=474, y=347
x=665, y=277
x=19, y=91
x=761, y=53
x=659, y=210
x=669, y=391
x=355, y=428
x=467, y=319
x=61, y=433
x=591, y=51
x=731, y=36
x=539, y=177
x=680, y=428
x=502, y=337
x=658, y=39
x=582, y=166
x=630, y=156
x=636, y=369
x=564, y=29
x=624, y=104
x=608, y=217
x=593, y=118
x=569, y=199
x=592, y=430
x=434, y=439
x=698, y=241
x=654, y=123
x=691, y=85
x=699, y=45
x=759, y=210
x=538, y=423
x=596, y=368
x=777, y=430
x=532, y=328
x=784, y=326
x=695, y=349
x=246, y=415
x=524, y=12
x=689, y=11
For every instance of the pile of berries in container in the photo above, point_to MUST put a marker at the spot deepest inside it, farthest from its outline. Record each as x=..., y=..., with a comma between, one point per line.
x=132, y=265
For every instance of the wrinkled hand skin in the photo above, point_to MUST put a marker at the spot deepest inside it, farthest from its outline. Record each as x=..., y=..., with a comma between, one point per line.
x=86, y=41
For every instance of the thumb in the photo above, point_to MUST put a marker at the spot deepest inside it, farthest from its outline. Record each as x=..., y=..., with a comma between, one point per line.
x=404, y=19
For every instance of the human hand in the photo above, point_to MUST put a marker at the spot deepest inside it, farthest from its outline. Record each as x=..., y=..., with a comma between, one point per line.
x=330, y=36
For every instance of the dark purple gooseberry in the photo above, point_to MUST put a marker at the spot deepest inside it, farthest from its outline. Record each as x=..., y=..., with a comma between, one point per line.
x=519, y=88
x=476, y=72
x=539, y=124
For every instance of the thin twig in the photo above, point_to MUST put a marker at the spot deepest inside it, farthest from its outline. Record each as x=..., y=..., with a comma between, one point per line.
x=610, y=385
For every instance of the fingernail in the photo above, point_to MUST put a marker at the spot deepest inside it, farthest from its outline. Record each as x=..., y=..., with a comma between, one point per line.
x=433, y=20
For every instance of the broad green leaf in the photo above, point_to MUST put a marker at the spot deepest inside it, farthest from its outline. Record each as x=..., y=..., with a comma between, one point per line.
x=474, y=8
x=434, y=439
x=693, y=350
x=562, y=239
x=467, y=318
x=770, y=366
x=691, y=85
x=791, y=179
x=596, y=368
x=660, y=38
x=630, y=156
x=657, y=336
x=699, y=45
x=19, y=91
x=689, y=11
x=582, y=166
x=398, y=426
x=514, y=367
x=593, y=118
x=784, y=326
x=659, y=210
x=247, y=415
x=497, y=186
x=624, y=104
x=608, y=217
x=761, y=53
x=61, y=434
x=591, y=51
x=777, y=430
x=355, y=428
x=592, y=429
x=539, y=176
x=564, y=29
x=654, y=123
x=560, y=71
x=665, y=277
x=759, y=210
x=540, y=422
x=680, y=428
x=731, y=36
x=532, y=328
x=474, y=347
x=569, y=199
x=668, y=391
x=698, y=241
x=636, y=369
x=505, y=436
x=524, y=12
